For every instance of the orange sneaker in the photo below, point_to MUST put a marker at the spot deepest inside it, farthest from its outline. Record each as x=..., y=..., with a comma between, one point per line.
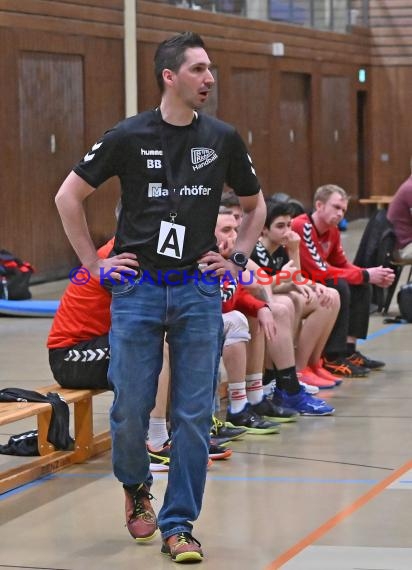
x=308, y=376
x=323, y=373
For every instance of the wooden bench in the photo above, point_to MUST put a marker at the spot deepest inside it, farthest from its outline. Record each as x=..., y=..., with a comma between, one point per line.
x=376, y=200
x=86, y=443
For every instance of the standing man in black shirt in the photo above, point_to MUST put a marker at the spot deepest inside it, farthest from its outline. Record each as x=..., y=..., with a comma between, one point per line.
x=172, y=163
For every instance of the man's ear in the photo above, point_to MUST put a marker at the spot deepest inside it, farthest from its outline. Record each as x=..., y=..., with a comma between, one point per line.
x=168, y=76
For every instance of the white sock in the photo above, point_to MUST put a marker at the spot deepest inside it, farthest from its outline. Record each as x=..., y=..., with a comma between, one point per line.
x=237, y=396
x=254, y=388
x=158, y=434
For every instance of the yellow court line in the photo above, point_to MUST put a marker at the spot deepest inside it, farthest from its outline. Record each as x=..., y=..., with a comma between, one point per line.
x=335, y=520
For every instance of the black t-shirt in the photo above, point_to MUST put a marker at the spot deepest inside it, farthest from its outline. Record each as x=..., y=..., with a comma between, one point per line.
x=202, y=156
x=272, y=262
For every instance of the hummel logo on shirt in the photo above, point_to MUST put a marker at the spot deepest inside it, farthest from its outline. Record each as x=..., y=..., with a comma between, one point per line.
x=89, y=156
x=151, y=152
x=202, y=157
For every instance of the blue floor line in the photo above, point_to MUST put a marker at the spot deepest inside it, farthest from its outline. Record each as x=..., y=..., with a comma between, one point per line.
x=36, y=483
x=216, y=477
x=274, y=479
x=380, y=332
x=229, y=478
x=210, y=476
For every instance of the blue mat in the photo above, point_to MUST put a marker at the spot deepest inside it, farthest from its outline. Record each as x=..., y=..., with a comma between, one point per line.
x=29, y=308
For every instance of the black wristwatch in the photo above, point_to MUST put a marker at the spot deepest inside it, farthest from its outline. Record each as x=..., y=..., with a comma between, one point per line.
x=239, y=259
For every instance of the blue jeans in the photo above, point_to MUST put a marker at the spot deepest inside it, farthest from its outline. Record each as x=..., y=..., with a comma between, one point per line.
x=190, y=316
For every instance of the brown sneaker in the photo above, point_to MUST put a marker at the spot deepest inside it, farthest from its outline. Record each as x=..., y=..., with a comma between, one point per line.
x=140, y=517
x=182, y=547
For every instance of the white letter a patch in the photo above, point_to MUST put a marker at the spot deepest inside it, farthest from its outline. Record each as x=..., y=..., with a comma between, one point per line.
x=171, y=240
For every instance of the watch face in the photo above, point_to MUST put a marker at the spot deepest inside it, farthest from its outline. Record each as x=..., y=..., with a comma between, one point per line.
x=240, y=259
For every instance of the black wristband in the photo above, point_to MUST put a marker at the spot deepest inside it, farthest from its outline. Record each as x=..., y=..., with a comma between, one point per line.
x=366, y=276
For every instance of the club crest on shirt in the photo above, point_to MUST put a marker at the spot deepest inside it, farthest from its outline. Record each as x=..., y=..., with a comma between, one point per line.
x=201, y=157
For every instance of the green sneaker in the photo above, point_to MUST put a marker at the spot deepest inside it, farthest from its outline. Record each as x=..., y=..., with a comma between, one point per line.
x=221, y=431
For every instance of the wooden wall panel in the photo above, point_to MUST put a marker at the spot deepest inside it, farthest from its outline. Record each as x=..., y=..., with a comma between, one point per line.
x=390, y=88
x=252, y=120
x=104, y=108
x=390, y=96
x=149, y=95
x=63, y=10
x=32, y=227
x=156, y=21
x=11, y=207
x=336, y=129
x=51, y=135
x=391, y=32
x=95, y=18
x=363, y=138
x=293, y=159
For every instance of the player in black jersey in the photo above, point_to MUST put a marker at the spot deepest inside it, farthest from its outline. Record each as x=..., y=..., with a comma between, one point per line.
x=172, y=163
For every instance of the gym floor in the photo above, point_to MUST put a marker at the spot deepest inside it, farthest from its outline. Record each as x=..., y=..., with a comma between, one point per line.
x=326, y=493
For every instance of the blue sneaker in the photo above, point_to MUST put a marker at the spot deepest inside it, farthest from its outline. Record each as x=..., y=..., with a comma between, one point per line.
x=303, y=403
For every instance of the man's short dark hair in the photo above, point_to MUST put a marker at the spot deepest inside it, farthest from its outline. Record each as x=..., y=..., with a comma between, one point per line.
x=170, y=54
x=229, y=199
x=276, y=209
x=225, y=211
